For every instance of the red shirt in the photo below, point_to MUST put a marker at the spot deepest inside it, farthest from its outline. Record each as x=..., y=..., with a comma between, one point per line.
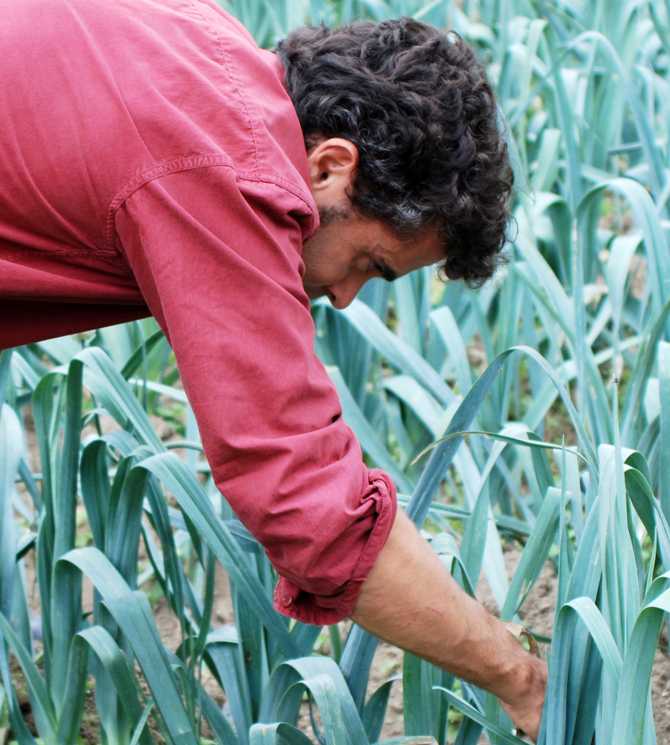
x=151, y=162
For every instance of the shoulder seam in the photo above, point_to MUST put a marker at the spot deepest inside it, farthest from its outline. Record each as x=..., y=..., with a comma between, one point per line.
x=226, y=61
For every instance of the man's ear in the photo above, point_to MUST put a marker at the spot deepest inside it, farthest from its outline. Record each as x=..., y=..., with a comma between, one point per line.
x=332, y=163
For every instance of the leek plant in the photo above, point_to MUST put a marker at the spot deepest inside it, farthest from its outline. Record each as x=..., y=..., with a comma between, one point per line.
x=536, y=409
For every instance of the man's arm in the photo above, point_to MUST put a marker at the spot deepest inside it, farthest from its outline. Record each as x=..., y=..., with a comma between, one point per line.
x=217, y=258
x=410, y=600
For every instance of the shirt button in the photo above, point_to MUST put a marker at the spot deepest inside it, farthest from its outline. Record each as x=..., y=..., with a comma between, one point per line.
x=286, y=600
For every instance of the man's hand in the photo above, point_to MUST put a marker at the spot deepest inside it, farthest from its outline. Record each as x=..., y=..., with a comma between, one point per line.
x=410, y=600
x=527, y=715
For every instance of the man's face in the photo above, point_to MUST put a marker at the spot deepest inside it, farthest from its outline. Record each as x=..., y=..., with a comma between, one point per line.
x=348, y=249
x=346, y=252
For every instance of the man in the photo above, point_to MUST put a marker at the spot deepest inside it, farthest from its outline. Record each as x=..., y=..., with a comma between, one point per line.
x=154, y=161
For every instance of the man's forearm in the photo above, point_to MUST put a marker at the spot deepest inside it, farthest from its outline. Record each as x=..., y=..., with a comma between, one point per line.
x=410, y=600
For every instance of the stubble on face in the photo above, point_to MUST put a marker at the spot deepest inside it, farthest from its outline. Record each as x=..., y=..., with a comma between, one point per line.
x=348, y=250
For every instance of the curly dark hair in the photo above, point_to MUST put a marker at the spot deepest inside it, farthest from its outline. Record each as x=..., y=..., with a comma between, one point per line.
x=417, y=105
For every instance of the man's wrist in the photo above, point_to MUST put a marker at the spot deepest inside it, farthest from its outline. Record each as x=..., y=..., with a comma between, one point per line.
x=531, y=682
x=525, y=676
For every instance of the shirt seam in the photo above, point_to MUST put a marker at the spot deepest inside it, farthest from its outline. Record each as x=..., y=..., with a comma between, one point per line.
x=226, y=61
x=60, y=253
x=187, y=164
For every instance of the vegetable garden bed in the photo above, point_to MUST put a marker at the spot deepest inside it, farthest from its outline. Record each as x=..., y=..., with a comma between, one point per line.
x=559, y=369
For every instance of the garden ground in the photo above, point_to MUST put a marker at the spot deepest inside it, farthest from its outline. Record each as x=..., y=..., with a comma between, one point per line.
x=537, y=614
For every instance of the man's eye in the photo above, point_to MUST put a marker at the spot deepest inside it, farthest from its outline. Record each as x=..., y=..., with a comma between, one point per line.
x=384, y=271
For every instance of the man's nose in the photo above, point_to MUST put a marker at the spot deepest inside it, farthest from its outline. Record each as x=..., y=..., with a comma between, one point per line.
x=342, y=293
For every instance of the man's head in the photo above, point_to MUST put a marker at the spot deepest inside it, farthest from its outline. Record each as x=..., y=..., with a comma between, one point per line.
x=401, y=130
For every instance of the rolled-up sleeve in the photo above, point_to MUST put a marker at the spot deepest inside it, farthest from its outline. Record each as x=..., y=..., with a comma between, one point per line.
x=217, y=258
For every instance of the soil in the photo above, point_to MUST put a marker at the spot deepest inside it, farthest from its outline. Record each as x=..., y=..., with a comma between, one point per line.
x=537, y=614
x=387, y=661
